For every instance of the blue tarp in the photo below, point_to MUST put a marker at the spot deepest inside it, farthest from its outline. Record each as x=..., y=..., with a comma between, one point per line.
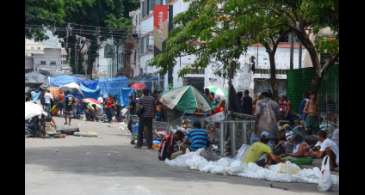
x=90, y=88
x=58, y=81
x=124, y=98
x=117, y=86
x=112, y=86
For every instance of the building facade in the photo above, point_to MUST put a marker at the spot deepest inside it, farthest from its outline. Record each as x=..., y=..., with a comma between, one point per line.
x=254, y=81
x=46, y=56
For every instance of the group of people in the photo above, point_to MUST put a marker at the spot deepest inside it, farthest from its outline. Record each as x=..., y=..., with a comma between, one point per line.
x=268, y=112
x=69, y=106
x=265, y=140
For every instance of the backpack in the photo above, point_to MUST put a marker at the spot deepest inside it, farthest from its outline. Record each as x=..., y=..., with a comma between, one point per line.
x=166, y=147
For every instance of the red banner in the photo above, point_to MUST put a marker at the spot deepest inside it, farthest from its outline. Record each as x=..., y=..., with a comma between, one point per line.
x=160, y=15
x=160, y=25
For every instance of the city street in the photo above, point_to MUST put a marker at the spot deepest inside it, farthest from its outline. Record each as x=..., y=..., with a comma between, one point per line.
x=108, y=165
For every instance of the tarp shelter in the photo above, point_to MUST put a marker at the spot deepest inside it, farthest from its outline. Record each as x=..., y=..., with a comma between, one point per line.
x=112, y=86
x=35, y=78
x=124, y=98
x=62, y=80
x=90, y=88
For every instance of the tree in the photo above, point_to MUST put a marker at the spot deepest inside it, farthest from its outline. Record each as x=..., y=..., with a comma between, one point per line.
x=206, y=31
x=306, y=18
x=95, y=20
x=42, y=12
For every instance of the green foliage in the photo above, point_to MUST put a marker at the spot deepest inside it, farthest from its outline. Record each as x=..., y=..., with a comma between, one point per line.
x=43, y=12
x=113, y=14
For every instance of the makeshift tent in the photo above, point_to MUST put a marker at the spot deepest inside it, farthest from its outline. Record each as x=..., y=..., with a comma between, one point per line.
x=90, y=88
x=124, y=98
x=112, y=86
x=61, y=80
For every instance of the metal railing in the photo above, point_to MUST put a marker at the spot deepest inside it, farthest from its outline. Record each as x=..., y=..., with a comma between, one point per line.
x=234, y=133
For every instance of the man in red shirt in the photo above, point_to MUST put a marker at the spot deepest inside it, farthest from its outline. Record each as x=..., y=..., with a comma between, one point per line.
x=109, y=108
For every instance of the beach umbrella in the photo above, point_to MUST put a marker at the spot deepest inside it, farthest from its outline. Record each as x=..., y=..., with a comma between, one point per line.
x=90, y=100
x=138, y=86
x=33, y=109
x=218, y=91
x=185, y=99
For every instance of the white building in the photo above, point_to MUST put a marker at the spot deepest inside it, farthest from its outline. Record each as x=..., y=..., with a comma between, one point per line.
x=48, y=56
x=108, y=63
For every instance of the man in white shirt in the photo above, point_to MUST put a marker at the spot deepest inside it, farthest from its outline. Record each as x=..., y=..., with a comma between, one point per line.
x=327, y=147
x=48, y=97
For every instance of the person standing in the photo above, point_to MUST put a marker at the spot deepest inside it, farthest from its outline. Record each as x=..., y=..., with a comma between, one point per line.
x=240, y=101
x=302, y=105
x=266, y=112
x=60, y=103
x=109, y=108
x=48, y=98
x=284, y=107
x=69, y=104
x=247, y=103
x=311, y=122
x=35, y=96
x=146, y=117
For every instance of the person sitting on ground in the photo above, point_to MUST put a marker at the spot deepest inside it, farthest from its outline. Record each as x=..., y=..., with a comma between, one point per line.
x=197, y=137
x=210, y=153
x=261, y=153
x=326, y=147
x=301, y=147
x=169, y=147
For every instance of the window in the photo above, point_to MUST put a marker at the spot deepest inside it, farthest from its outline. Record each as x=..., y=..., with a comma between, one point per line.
x=43, y=62
x=52, y=63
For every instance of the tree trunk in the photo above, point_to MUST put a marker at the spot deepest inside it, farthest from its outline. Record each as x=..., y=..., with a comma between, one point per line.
x=309, y=45
x=92, y=54
x=273, y=81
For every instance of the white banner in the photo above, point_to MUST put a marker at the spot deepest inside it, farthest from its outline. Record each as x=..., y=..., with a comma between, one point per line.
x=218, y=117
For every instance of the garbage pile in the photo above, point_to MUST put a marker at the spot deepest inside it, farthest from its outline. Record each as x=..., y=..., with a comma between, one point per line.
x=282, y=172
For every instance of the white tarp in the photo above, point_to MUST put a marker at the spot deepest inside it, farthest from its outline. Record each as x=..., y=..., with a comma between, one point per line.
x=33, y=109
x=283, y=172
x=73, y=86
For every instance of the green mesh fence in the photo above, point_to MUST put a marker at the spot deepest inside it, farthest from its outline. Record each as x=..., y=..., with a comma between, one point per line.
x=298, y=82
x=328, y=95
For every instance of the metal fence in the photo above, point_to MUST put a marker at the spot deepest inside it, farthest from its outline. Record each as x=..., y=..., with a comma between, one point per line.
x=232, y=134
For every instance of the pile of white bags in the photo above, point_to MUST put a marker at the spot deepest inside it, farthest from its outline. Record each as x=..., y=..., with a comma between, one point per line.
x=283, y=172
x=33, y=109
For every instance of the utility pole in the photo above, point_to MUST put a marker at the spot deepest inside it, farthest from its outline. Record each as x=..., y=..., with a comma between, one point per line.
x=291, y=51
x=300, y=55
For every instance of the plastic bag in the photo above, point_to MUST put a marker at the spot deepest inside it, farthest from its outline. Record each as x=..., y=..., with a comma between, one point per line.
x=325, y=181
x=287, y=168
x=241, y=152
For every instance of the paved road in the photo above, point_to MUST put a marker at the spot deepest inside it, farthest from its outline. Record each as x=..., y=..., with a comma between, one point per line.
x=109, y=165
